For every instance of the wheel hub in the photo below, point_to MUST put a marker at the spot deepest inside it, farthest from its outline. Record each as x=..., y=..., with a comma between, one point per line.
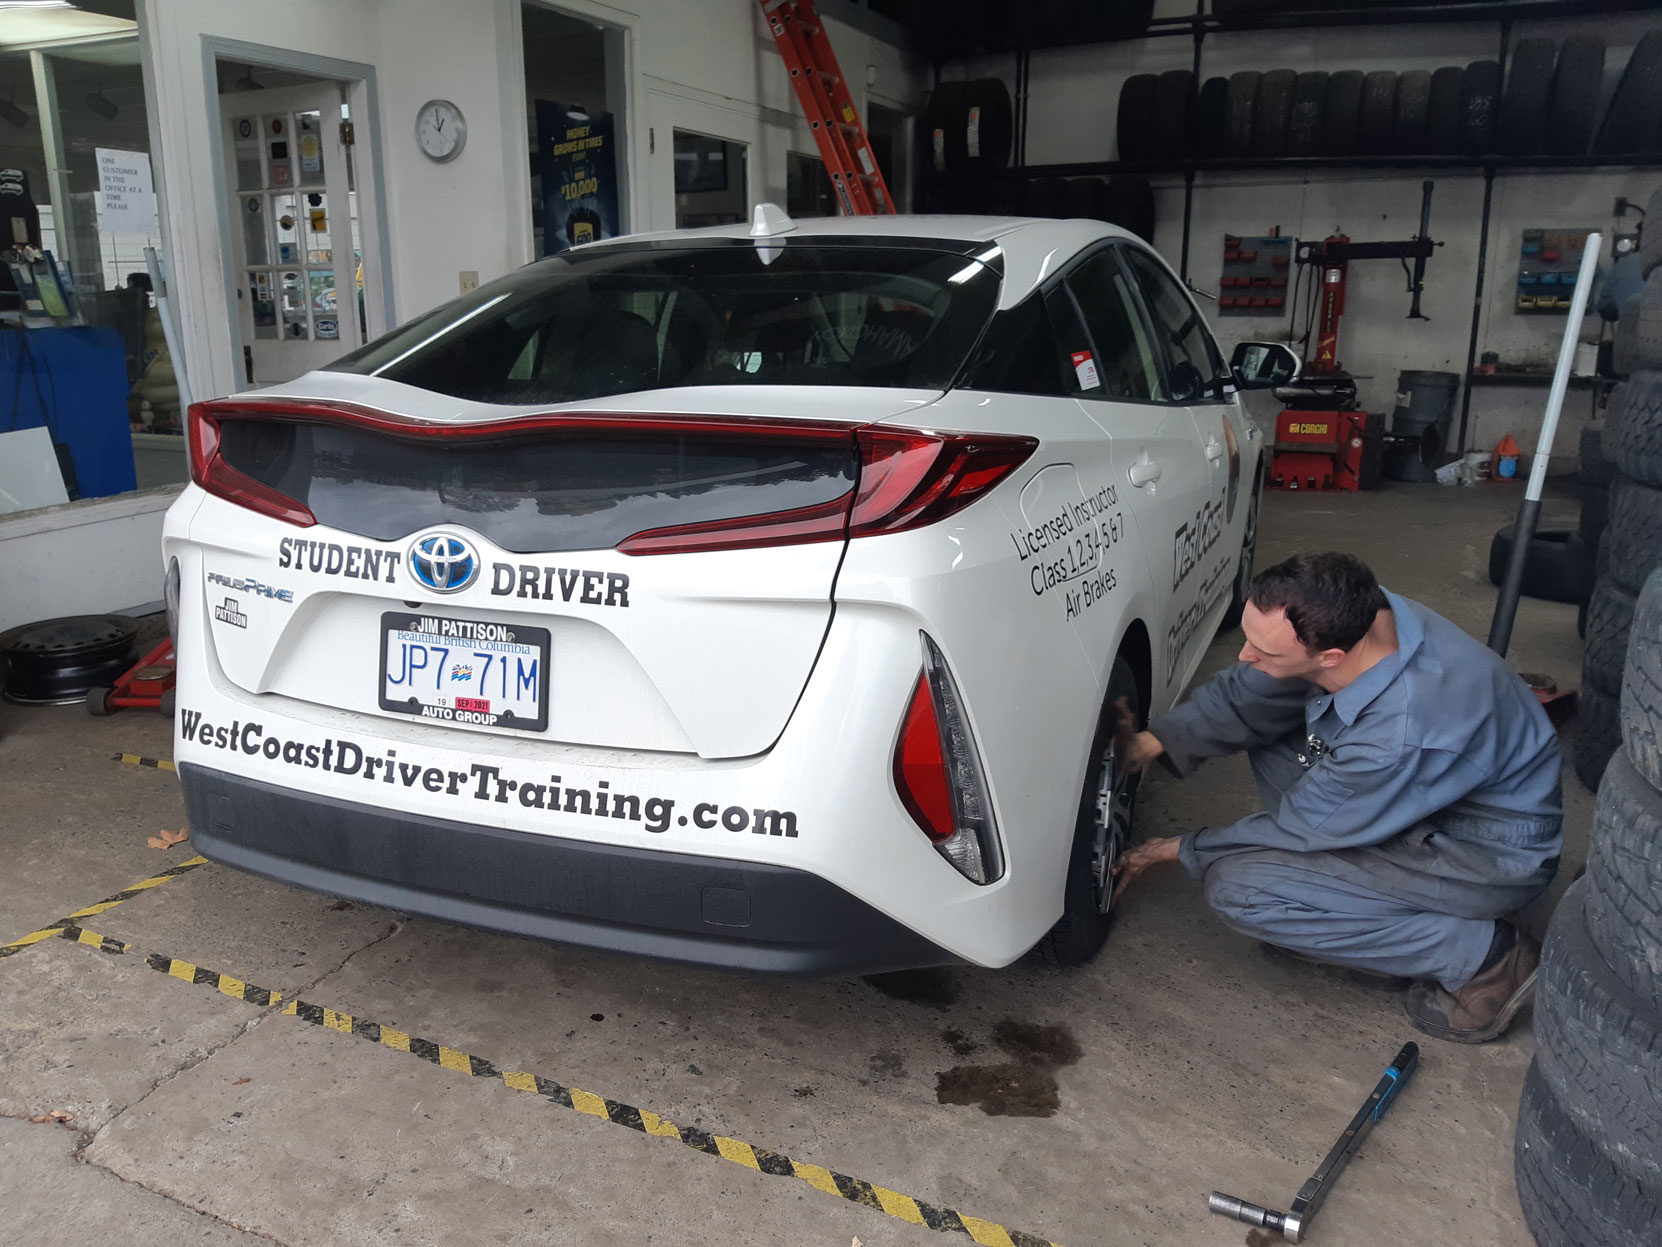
x=1116, y=799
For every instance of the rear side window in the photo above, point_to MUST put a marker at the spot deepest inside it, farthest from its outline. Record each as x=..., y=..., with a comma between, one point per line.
x=1126, y=363
x=1194, y=367
x=1020, y=354
x=619, y=320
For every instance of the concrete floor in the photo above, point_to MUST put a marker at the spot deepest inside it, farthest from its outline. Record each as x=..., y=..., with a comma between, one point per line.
x=1194, y=1063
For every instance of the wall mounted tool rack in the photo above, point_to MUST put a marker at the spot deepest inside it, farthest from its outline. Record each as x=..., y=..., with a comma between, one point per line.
x=1202, y=23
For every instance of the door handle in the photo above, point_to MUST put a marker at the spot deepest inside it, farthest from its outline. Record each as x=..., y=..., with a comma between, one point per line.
x=1214, y=450
x=1144, y=472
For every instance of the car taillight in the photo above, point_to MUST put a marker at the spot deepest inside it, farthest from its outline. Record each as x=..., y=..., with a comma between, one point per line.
x=210, y=471
x=938, y=774
x=908, y=478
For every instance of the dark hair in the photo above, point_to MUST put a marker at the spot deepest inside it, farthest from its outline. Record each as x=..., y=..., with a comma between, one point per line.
x=1330, y=599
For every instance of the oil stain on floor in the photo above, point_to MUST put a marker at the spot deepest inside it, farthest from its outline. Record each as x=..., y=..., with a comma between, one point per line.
x=1023, y=1086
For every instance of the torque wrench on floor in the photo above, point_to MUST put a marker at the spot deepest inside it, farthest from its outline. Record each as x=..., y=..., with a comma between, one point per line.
x=1293, y=1223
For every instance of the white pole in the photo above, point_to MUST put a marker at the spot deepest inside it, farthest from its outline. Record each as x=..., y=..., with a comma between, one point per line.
x=1529, y=511
x=1566, y=357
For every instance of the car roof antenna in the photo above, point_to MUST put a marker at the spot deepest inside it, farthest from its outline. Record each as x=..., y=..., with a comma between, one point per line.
x=769, y=221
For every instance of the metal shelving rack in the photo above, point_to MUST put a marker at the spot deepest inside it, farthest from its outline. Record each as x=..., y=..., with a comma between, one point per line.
x=1201, y=24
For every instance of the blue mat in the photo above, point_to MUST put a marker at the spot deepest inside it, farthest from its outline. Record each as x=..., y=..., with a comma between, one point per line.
x=73, y=381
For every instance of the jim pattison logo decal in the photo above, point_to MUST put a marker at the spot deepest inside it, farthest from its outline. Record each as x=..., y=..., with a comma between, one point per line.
x=480, y=781
x=231, y=613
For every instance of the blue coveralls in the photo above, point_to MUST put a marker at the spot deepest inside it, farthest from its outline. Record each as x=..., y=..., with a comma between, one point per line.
x=1402, y=815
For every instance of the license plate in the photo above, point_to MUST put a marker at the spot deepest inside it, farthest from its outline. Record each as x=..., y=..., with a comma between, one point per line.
x=465, y=671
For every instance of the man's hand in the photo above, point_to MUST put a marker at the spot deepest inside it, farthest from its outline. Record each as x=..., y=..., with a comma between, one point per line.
x=1149, y=853
x=1134, y=749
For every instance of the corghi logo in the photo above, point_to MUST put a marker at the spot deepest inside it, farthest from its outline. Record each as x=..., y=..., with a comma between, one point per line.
x=444, y=562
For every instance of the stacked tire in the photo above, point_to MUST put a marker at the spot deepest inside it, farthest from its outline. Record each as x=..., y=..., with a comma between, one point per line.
x=1588, y=1156
x=1629, y=546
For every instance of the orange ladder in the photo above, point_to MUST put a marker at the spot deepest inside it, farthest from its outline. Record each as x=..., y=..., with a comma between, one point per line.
x=823, y=94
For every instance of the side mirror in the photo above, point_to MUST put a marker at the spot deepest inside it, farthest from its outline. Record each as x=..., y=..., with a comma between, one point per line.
x=1262, y=365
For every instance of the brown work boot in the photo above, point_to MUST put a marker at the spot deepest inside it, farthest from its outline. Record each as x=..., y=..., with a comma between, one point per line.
x=1484, y=1007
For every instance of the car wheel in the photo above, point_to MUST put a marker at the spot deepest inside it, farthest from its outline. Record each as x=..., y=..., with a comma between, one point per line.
x=1249, y=555
x=1101, y=836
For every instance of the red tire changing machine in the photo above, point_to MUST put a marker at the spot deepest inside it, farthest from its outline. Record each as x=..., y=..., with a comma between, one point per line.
x=1323, y=440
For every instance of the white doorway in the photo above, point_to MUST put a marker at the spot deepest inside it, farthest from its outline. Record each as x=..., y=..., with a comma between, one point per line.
x=296, y=239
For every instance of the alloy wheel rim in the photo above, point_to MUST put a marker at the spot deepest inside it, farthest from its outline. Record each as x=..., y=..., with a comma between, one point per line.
x=1116, y=799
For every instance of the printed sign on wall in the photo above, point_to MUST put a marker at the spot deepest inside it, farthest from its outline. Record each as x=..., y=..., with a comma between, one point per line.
x=126, y=195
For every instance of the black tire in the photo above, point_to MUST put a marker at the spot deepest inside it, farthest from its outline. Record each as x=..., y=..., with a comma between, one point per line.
x=1650, y=242
x=989, y=126
x=1409, y=127
x=1624, y=882
x=1595, y=515
x=1043, y=197
x=1134, y=122
x=1130, y=205
x=1596, y=470
x=1214, y=111
x=1598, y=1047
x=1609, y=618
x=1643, y=312
x=1304, y=120
x=1630, y=123
x=1174, y=115
x=1087, y=893
x=1576, y=84
x=1237, y=121
x=1342, y=112
x=1624, y=338
x=1641, y=709
x=1523, y=108
x=944, y=121
x=1598, y=734
x=1085, y=199
x=1633, y=428
x=1442, y=124
x=1633, y=541
x=169, y=703
x=1558, y=568
x=1379, y=105
x=1479, y=107
x=1571, y=1195
x=1270, y=111
x=97, y=702
x=1249, y=557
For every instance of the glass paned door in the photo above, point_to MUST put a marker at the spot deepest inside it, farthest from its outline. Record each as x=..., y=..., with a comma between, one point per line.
x=295, y=251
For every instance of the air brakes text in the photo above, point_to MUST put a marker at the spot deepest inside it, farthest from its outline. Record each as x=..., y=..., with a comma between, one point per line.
x=328, y=558
x=550, y=584
x=479, y=782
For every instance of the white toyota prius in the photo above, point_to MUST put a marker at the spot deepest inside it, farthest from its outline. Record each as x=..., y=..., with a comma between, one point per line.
x=752, y=597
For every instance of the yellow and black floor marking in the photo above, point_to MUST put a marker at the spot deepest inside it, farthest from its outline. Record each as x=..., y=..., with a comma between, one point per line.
x=855, y=1190
x=137, y=759
x=109, y=902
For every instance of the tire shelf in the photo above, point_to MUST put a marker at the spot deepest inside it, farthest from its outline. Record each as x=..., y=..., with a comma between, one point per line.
x=1202, y=23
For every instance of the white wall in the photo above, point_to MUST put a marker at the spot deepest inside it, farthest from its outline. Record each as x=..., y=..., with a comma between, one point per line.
x=712, y=58
x=1073, y=98
x=84, y=558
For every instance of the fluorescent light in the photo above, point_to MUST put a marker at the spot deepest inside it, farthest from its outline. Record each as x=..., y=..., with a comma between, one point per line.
x=35, y=4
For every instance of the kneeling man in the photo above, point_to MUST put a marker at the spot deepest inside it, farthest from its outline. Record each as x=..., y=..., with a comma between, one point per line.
x=1410, y=783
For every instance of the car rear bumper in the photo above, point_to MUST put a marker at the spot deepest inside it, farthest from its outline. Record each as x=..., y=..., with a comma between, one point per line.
x=674, y=906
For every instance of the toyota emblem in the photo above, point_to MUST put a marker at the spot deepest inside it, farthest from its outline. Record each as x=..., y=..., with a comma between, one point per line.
x=444, y=562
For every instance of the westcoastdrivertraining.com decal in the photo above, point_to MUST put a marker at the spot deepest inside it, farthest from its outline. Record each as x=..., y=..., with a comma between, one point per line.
x=480, y=782
x=1066, y=551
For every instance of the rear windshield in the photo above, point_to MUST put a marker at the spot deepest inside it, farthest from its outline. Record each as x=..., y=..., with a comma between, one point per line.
x=540, y=492
x=617, y=320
